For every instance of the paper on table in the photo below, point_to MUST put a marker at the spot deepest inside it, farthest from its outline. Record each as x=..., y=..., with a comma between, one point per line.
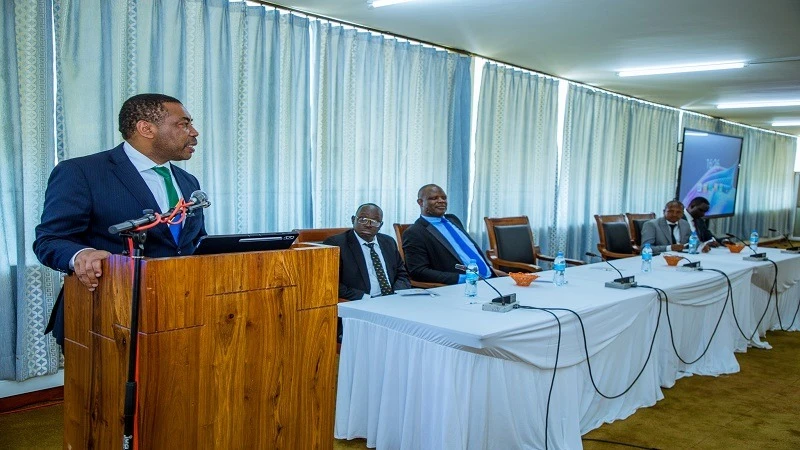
x=415, y=291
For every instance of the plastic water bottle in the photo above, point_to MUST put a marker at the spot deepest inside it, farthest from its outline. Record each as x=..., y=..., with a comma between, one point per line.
x=471, y=287
x=754, y=240
x=647, y=258
x=693, y=242
x=560, y=267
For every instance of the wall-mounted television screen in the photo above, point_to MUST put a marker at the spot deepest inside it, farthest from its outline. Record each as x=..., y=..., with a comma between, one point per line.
x=710, y=169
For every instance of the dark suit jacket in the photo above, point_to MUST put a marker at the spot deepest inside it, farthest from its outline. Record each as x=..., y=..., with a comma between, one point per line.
x=701, y=227
x=429, y=256
x=86, y=195
x=353, y=274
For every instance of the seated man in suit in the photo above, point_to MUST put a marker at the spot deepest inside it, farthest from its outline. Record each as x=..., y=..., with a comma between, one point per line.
x=666, y=233
x=694, y=214
x=436, y=242
x=86, y=195
x=367, y=270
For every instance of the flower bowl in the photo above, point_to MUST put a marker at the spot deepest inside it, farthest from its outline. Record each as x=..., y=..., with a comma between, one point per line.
x=735, y=248
x=522, y=278
x=672, y=260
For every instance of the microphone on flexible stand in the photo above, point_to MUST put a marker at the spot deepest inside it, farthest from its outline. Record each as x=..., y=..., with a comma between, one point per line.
x=755, y=256
x=198, y=199
x=792, y=249
x=690, y=266
x=621, y=282
x=503, y=303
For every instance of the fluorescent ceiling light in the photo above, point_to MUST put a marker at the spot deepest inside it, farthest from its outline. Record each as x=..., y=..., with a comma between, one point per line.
x=379, y=3
x=786, y=123
x=764, y=104
x=681, y=69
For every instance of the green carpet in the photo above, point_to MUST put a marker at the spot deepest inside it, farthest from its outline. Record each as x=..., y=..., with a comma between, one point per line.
x=757, y=408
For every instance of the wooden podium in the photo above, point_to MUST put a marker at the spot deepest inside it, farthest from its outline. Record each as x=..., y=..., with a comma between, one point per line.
x=235, y=351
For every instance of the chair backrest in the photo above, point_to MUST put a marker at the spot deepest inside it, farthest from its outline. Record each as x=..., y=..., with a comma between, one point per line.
x=615, y=239
x=635, y=223
x=399, y=229
x=511, y=238
x=317, y=235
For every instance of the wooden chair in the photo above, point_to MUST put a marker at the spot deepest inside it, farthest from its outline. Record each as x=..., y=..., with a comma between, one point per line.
x=399, y=229
x=615, y=238
x=317, y=235
x=511, y=245
x=635, y=223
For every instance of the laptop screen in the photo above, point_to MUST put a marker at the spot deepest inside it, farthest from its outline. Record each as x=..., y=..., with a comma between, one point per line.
x=237, y=243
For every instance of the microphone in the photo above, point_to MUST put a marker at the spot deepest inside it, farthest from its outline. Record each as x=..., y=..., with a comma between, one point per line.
x=792, y=249
x=690, y=266
x=198, y=199
x=755, y=256
x=148, y=218
x=621, y=282
x=503, y=303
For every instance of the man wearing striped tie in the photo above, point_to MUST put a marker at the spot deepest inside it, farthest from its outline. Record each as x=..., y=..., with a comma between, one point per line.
x=369, y=263
x=436, y=242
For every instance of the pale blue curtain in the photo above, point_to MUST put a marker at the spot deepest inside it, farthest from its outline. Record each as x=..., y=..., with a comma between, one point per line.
x=241, y=71
x=389, y=117
x=516, y=153
x=765, y=194
x=620, y=155
x=699, y=122
x=652, y=158
x=593, y=166
x=27, y=289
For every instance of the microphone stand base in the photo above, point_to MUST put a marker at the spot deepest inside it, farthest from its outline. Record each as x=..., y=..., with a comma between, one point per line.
x=619, y=285
x=499, y=307
x=756, y=257
x=791, y=251
x=690, y=267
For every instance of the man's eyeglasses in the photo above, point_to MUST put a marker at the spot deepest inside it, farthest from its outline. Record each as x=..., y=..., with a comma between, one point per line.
x=369, y=222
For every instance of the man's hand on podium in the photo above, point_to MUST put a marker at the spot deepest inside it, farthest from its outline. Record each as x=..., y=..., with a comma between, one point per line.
x=88, y=266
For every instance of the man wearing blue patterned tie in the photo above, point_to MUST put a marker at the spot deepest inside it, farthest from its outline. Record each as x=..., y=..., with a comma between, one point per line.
x=436, y=242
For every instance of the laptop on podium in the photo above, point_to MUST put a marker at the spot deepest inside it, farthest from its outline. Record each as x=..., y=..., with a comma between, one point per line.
x=251, y=242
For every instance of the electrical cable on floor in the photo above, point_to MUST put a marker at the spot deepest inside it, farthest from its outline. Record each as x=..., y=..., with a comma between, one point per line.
x=624, y=444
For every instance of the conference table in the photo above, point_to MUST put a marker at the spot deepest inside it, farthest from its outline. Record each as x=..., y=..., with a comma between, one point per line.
x=435, y=371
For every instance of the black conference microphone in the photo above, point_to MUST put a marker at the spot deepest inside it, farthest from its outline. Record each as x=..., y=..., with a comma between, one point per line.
x=621, y=282
x=690, y=266
x=503, y=303
x=792, y=249
x=199, y=199
x=755, y=256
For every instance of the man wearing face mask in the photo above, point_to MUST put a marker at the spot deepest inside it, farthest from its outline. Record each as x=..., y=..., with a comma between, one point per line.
x=436, y=242
x=369, y=263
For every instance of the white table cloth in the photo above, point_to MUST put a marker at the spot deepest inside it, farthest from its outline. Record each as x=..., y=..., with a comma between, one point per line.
x=440, y=373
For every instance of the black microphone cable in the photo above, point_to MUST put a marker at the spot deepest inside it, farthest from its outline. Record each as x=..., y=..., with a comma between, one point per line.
x=555, y=367
x=733, y=307
x=774, y=289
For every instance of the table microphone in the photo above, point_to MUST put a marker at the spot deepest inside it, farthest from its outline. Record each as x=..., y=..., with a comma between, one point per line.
x=755, y=256
x=792, y=249
x=503, y=303
x=621, y=282
x=690, y=266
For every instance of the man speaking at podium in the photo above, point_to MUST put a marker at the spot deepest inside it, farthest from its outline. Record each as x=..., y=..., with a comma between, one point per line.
x=86, y=195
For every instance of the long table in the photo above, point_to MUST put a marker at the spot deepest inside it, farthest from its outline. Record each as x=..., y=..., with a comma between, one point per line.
x=438, y=372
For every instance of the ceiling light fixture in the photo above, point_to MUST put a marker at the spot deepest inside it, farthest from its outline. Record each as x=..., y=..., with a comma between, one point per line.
x=379, y=3
x=762, y=104
x=786, y=123
x=681, y=69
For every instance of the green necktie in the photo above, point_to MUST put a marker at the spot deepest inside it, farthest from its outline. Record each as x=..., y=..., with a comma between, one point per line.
x=172, y=199
x=172, y=194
